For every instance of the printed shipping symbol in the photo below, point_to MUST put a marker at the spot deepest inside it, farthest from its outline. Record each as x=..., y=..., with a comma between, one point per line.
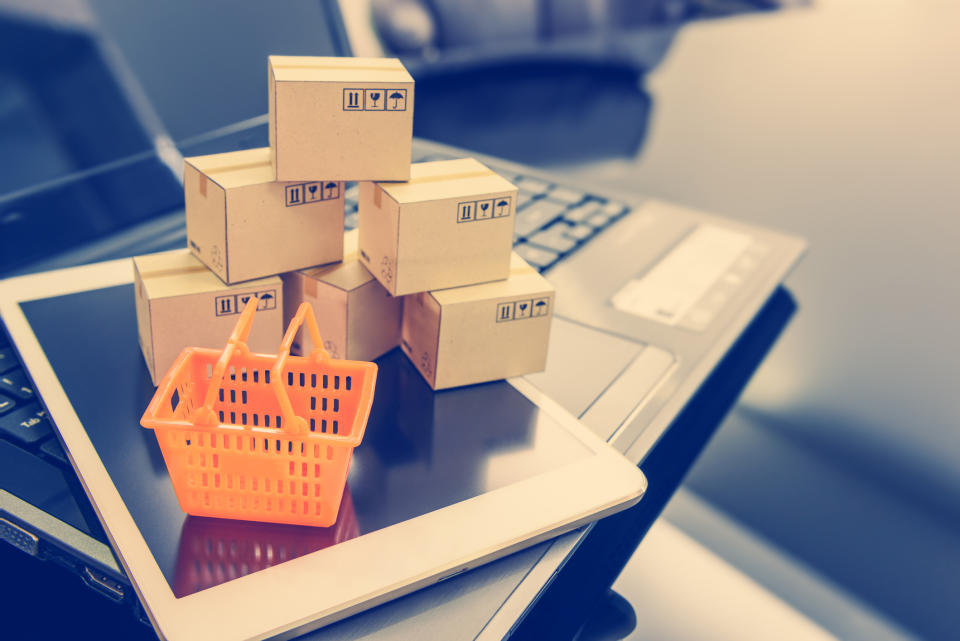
x=503, y=207
x=353, y=100
x=330, y=190
x=396, y=96
x=375, y=96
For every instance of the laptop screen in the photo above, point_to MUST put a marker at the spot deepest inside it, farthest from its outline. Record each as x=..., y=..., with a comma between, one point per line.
x=423, y=450
x=89, y=94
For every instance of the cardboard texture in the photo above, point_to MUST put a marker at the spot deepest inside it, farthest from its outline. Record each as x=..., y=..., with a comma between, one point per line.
x=451, y=225
x=242, y=225
x=340, y=118
x=180, y=303
x=482, y=332
x=358, y=319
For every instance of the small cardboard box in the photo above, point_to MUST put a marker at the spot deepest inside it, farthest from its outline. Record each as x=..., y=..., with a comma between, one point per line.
x=242, y=225
x=480, y=333
x=358, y=319
x=180, y=303
x=340, y=118
x=451, y=225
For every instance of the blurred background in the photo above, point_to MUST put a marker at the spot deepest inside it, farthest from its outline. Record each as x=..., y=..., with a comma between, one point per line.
x=835, y=482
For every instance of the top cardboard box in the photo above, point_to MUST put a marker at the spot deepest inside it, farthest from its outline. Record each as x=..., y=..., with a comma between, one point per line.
x=340, y=118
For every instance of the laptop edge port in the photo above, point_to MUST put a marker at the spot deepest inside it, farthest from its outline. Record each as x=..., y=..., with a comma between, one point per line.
x=19, y=537
x=103, y=584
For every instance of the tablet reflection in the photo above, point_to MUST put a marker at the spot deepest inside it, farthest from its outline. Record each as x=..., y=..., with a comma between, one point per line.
x=214, y=551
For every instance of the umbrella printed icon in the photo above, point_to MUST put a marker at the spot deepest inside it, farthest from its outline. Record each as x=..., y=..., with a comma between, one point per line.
x=503, y=207
x=266, y=301
x=396, y=96
x=331, y=190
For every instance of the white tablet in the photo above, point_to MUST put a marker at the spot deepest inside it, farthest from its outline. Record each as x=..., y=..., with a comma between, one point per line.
x=443, y=481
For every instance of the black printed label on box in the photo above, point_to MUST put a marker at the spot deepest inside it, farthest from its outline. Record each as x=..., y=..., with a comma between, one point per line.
x=521, y=309
x=234, y=303
x=487, y=209
x=377, y=99
x=305, y=193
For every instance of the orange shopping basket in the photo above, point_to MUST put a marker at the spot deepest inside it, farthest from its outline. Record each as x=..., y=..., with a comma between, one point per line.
x=261, y=437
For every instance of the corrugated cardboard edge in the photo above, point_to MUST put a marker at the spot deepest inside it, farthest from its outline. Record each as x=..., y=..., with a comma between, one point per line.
x=272, y=119
x=141, y=292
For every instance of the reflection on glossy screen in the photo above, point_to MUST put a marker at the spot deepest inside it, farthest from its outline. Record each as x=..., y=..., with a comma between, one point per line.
x=423, y=450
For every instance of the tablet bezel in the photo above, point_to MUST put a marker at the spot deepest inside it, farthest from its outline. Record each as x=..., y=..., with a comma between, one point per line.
x=392, y=561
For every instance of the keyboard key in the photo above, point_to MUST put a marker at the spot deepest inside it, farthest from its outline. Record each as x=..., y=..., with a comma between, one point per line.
x=613, y=209
x=598, y=220
x=579, y=232
x=52, y=448
x=6, y=404
x=27, y=424
x=15, y=384
x=583, y=212
x=7, y=360
x=566, y=195
x=529, y=183
x=536, y=256
x=537, y=215
x=554, y=239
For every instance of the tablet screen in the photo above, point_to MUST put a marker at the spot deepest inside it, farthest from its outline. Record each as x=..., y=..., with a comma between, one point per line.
x=423, y=450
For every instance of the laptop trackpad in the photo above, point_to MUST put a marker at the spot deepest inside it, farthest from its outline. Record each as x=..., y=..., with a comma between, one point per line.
x=597, y=376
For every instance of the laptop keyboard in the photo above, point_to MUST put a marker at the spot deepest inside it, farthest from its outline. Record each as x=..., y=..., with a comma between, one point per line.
x=553, y=221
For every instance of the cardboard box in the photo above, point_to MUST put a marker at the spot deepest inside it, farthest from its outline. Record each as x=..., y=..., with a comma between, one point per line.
x=480, y=333
x=180, y=303
x=340, y=118
x=358, y=319
x=450, y=225
x=242, y=225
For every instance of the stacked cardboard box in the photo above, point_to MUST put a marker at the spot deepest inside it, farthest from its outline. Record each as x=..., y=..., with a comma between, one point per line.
x=431, y=261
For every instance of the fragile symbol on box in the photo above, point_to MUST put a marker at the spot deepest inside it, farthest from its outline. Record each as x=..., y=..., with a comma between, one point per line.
x=379, y=99
x=518, y=310
x=234, y=303
x=483, y=209
x=301, y=193
x=522, y=309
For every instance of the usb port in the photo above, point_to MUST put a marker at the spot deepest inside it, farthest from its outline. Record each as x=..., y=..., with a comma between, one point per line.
x=103, y=584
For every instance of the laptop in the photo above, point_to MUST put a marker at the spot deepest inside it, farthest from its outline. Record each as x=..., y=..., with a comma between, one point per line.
x=652, y=296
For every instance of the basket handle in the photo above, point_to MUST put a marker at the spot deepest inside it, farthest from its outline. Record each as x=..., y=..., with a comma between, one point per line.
x=236, y=344
x=295, y=423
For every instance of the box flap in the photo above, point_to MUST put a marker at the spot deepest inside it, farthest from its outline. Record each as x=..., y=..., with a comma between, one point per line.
x=179, y=273
x=442, y=179
x=333, y=69
x=523, y=279
x=347, y=275
x=235, y=168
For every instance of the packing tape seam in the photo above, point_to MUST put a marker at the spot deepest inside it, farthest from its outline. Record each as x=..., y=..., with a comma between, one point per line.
x=439, y=178
x=172, y=271
x=397, y=67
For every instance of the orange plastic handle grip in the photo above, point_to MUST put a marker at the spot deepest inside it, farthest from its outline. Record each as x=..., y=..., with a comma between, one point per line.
x=305, y=312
